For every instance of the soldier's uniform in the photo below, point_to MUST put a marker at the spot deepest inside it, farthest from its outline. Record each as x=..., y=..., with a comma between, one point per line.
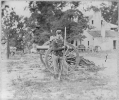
x=56, y=45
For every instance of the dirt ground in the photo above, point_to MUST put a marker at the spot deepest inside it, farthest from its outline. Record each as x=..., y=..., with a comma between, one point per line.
x=25, y=78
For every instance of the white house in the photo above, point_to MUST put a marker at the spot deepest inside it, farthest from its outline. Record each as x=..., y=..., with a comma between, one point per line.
x=102, y=35
x=94, y=38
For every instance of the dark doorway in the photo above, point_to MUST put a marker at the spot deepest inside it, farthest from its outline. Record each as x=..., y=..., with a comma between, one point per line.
x=92, y=21
x=76, y=43
x=88, y=43
x=72, y=42
x=114, y=44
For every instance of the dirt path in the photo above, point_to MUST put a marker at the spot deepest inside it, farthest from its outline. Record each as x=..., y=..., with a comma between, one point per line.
x=26, y=79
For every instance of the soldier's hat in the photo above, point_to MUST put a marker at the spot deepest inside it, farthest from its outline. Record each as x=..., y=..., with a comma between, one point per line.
x=38, y=26
x=59, y=32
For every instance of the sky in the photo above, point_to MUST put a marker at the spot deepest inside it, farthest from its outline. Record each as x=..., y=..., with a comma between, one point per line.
x=20, y=5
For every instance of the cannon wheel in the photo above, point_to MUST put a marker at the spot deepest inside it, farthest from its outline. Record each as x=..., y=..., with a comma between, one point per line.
x=70, y=59
x=42, y=57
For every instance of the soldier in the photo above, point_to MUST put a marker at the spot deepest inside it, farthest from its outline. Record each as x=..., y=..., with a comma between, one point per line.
x=57, y=45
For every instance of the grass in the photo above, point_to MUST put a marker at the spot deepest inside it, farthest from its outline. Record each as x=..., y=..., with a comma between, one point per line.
x=34, y=88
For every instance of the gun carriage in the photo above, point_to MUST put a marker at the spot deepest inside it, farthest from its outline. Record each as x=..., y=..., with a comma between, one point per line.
x=70, y=57
x=71, y=61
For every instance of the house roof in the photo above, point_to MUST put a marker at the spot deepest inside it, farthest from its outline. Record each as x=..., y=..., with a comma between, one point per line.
x=113, y=25
x=98, y=16
x=109, y=25
x=108, y=33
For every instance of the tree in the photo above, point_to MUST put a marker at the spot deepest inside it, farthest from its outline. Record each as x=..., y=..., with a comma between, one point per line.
x=79, y=37
x=74, y=21
x=8, y=19
x=40, y=37
x=45, y=12
x=13, y=28
x=50, y=17
x=109, y=13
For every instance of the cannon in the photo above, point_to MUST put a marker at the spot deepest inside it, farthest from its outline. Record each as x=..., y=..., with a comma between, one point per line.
x=70, y=57
x=70, y=60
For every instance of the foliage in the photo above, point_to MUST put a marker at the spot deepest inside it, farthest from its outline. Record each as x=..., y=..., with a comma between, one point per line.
x=45, y=12
x=8, y=23
x=73, y=20
x=51, y=17
x=79, y=37
x=13, y=27
x=48, y=16
x=42, y=37
x=109, y=13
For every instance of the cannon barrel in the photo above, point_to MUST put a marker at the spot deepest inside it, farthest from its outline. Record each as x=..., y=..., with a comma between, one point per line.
x=47, y=47
x=42, y=47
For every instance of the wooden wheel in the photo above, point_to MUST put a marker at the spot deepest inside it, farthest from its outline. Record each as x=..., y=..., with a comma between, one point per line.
x=70, y=60
x=49, y=61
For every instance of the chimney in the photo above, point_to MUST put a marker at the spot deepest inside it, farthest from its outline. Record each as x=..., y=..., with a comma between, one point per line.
x=97, y=19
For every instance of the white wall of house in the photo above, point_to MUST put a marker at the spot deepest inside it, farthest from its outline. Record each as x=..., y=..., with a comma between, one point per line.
x=111, y=43
x=88, y=41
x=97, y=41
x=105, y=43
x=102, y=42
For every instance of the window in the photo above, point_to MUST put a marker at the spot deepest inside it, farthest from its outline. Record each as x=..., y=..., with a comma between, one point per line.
x=114, y=29
x=92, y=21
x=114, y=44
x=76, y=43
x=72, y=42
x=101, y=22
x=88, y=43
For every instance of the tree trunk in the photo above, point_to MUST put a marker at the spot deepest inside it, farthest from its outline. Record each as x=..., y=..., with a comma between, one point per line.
x=8, y=48
x=80, y=42
x=118, y=59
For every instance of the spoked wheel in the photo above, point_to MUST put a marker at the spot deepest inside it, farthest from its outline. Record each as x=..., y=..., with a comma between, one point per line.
x=49, y=61
x=70, y=61
x=70, y=58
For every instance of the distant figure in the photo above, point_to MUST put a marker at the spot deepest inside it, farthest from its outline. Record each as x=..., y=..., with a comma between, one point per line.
x=106, y=57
